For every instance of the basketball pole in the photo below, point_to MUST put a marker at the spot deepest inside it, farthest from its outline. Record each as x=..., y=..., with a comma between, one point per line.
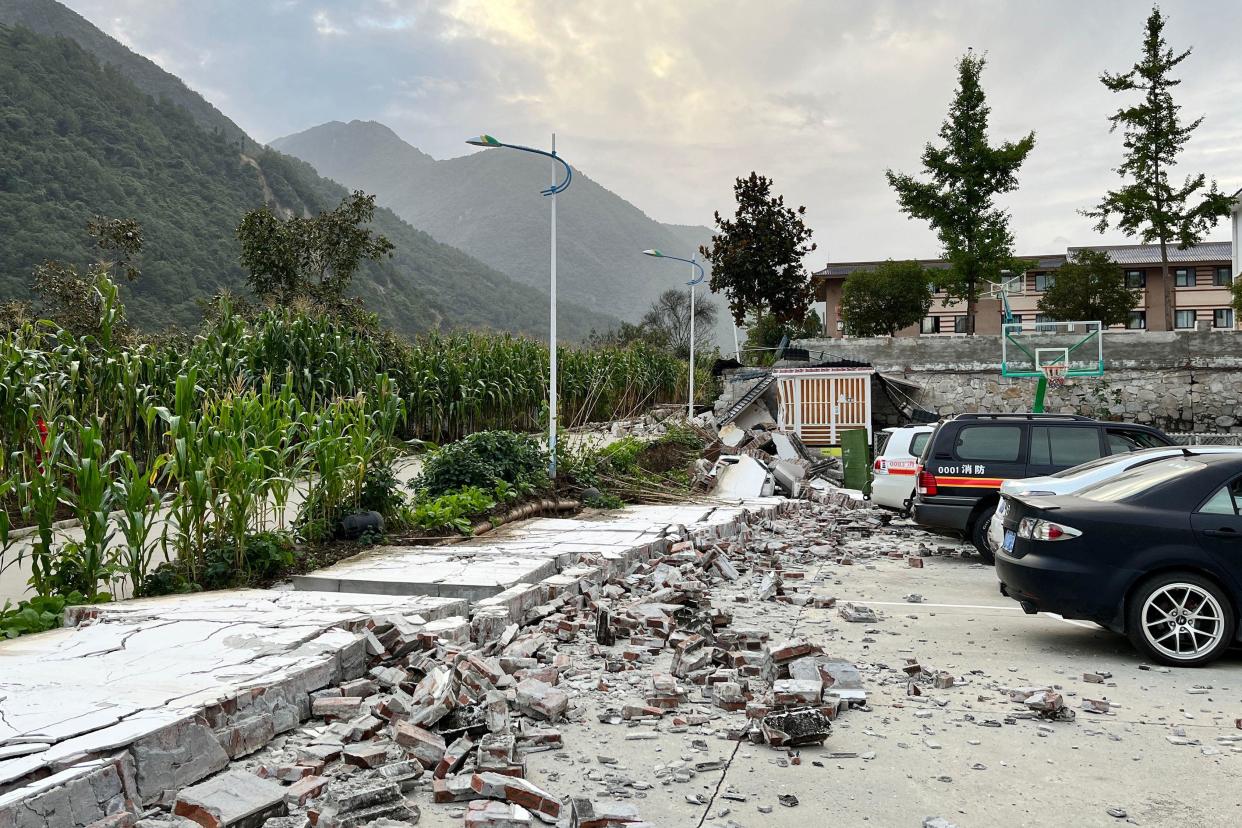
x=1041, y=389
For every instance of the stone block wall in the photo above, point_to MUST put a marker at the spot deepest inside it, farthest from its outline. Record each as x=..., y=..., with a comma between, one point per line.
x=1176, y=380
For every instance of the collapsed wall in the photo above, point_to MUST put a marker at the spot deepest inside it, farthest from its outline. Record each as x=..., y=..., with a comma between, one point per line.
x=1174, y=380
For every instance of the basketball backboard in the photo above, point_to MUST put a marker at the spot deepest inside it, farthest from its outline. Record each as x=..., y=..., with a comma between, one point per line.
x=1028, y=346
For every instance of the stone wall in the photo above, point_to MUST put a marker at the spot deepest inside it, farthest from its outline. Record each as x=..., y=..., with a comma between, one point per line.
x=1177, y=380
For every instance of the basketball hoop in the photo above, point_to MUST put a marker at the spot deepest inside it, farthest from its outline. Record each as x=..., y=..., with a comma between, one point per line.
x=1055, y=374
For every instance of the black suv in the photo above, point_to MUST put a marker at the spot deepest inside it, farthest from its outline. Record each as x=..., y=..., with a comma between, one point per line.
x=969, y=455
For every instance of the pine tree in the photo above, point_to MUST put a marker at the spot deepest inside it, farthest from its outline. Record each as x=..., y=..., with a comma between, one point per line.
x=1149, y=206
x=966, y=174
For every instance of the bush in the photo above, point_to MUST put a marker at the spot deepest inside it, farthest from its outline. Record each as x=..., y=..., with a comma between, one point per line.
x=453, y=510
x=39, y=614
x=267, y=554
x=483, y=460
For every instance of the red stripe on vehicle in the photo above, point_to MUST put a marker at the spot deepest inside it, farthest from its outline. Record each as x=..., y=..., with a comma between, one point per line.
x=970, y=482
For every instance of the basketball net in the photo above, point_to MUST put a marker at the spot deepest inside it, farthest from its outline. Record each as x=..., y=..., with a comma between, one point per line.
x=1055, y=373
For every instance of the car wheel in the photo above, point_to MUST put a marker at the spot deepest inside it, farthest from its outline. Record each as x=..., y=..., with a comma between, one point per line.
x=1180, y=618
x=979, y=536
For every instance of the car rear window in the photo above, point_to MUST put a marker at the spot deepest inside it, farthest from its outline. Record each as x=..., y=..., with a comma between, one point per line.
x=998, y=443
x=919, y=443
x=1139, y=480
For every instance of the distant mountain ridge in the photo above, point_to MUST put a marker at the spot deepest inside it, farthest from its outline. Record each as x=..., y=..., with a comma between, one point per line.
x=488, y=204
x=125, y=138
x=55, y=20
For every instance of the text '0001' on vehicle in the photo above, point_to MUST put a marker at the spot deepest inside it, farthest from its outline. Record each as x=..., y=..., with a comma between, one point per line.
x=969, y=456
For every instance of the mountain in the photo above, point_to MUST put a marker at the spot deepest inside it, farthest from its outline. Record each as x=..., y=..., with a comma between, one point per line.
x=488, y=204
x=54, y=20
x=82, y=134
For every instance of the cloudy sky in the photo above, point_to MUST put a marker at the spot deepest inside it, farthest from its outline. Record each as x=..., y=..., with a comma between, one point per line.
x=667, y=102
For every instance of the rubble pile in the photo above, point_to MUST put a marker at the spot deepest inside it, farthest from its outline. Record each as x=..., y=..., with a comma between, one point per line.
x=760, y=462
x=448, y=711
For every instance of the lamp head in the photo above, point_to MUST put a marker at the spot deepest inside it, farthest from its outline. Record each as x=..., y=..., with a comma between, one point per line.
x=653, y=252
x=484, y=140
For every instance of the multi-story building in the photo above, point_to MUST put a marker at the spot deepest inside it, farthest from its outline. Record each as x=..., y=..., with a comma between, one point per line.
x=1200, y=278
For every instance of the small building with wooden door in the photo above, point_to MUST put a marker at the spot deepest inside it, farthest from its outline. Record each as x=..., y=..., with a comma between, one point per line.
x=818, y=404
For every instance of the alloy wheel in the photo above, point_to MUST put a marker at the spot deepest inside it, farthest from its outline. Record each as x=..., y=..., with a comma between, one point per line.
x=1182, y=620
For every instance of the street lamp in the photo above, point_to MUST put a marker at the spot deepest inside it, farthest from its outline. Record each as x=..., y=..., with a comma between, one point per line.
x=489, y=142
x=694, y=280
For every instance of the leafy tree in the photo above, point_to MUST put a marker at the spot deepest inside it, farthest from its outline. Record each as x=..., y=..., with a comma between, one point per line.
x=765, y=332
x=309, y=258
x=668, y=321
x=756, y=256
x=965, y=175
x=88, y=303
x=884, y=300
x=1148, y=205
x=1090, y=286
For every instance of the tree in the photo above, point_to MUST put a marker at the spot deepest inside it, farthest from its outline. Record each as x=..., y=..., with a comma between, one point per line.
x=965, y=176
x=89, y=303
x=756, y=256
x=1090, y=286
x=765, y=333
x=309, y=257
x=1153, y=136
x=882, y=301
x=668, y=321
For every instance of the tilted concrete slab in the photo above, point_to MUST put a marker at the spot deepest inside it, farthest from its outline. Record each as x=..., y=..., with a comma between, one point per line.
x=158, y=693
x=470, y=573
x=526, y=552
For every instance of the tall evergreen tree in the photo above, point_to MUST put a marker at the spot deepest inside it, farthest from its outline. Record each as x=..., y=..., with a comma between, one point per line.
x=965, y=175
x=1148, y=205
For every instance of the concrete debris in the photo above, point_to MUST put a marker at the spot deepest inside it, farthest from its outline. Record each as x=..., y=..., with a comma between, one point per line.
x=233, y=799
x=858, y=614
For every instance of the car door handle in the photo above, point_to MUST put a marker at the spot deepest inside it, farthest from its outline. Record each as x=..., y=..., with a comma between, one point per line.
x=1227, y=534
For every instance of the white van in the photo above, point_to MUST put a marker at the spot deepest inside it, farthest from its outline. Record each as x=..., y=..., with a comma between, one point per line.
x=893, y=472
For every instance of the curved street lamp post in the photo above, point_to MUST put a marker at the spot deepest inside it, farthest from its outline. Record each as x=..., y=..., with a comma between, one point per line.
x=489, y=142
x=694, y=281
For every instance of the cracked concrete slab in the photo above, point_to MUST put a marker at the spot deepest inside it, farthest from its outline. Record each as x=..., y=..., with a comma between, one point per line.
x=166, y=679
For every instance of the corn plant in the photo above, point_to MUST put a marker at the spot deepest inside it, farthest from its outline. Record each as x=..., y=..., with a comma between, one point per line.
x=138, y=501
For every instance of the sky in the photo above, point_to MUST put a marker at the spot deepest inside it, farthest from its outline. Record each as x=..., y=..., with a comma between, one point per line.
x=667, y=103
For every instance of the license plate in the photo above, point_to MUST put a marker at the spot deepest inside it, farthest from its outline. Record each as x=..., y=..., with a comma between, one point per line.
x=1010, y=536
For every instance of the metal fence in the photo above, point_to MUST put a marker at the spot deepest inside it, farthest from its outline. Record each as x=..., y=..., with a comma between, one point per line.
x=1207, y=438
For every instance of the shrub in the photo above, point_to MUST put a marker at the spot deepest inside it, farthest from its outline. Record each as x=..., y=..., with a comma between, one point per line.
x=41, y=613
x=482, y=460
x=453, y=510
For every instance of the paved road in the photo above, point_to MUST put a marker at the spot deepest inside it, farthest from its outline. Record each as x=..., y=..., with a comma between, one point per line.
x=903, y=761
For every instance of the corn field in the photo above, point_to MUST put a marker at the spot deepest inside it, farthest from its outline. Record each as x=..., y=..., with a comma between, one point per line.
x=168, y=448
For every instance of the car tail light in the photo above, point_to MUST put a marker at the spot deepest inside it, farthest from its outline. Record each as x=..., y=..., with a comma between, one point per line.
x=880, y=466
x=926, y=482
x=1045, y=530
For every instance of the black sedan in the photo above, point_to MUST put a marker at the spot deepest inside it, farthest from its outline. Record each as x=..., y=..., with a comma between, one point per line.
x=1154, y=553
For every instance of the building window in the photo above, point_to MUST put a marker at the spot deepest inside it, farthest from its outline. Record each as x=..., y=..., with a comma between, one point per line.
x=1041, y=327
x=1184, y=277
x=1137, y=321
x=930, y=325
x=959, y=324
x=1043, y=281
x=1222, y=277
x=1184, y=319
x=931, y=287
x=1017, y=319
x=1222, y=317
x=1136, y=279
